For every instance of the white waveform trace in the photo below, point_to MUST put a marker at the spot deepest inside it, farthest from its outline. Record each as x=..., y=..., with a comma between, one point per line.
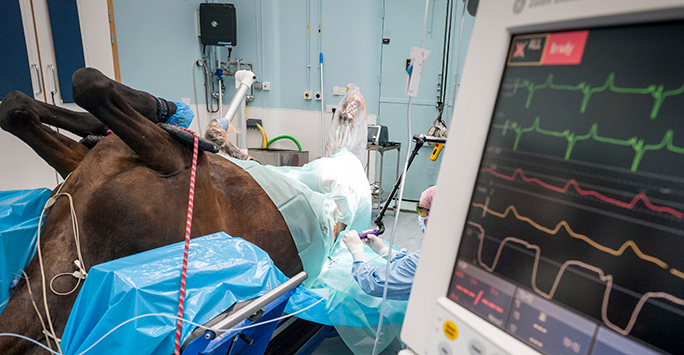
x=607, y=278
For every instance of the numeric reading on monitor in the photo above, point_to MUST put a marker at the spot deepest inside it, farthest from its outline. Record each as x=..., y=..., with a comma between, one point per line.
x=575, y=231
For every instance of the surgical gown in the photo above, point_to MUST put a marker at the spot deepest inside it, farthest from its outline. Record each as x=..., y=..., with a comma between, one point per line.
x=371, y=279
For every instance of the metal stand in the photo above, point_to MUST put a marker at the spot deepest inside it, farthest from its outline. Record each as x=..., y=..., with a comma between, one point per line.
x=420, y=139
x=382, y=149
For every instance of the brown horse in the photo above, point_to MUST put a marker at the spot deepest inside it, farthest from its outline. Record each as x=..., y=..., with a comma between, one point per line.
x=130, y=194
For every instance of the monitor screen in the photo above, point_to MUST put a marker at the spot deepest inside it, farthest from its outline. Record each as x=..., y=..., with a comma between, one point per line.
x=574, y=236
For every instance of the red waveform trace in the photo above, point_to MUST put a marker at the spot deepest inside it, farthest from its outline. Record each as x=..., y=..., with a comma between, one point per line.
x=572, y=182
x=478, y=298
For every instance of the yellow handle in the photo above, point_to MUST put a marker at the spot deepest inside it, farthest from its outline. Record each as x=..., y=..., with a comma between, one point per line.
x=435, y=151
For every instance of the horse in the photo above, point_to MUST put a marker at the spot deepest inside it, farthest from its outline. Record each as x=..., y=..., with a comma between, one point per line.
x=129, y=193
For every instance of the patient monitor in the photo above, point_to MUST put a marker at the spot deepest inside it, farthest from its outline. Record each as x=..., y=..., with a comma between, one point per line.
x=558, y=221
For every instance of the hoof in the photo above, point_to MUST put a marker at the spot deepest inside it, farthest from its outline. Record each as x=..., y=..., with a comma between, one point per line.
x=14, y=107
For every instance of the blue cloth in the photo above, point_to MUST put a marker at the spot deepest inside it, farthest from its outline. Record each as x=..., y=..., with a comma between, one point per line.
x=371, y=279
x=348, y=305
x=222, y=270
x=19, y=214
x=183, y=116
x=353, y=312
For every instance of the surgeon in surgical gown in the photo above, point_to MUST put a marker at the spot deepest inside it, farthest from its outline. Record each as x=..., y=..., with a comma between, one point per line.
x=403, y=264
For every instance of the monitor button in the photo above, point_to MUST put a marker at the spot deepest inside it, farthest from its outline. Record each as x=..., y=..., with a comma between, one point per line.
x=444, y=349
x=476, y=348
x=450, y=330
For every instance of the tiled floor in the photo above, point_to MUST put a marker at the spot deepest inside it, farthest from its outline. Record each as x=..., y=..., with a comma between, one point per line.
x=408, y=236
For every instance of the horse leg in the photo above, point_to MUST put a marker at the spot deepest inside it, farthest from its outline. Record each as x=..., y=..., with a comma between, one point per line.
x=154, y=109
x=78, y=123
x=60, y=152
x=132, y=115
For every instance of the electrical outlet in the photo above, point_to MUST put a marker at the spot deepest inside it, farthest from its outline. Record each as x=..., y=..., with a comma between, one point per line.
x=318, y=96
x=339, y=90
x=308, y=95
x=266, y=85
x=186, y=100
x=329, y=108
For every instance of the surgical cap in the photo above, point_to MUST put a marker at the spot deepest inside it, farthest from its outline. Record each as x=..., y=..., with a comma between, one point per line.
x=426, y=197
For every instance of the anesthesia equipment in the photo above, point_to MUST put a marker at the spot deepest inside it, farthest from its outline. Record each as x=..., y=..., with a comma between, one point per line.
x=558, y=225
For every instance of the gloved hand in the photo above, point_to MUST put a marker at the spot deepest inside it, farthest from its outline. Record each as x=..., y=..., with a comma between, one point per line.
x=377, y=244
x=355, y=245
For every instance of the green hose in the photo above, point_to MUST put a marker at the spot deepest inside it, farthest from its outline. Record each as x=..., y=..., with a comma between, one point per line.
x=282, y=137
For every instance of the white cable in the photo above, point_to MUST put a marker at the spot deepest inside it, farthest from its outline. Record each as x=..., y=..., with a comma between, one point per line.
x=194, y=89
x=78, y=283
x=53, y=334
x=308, y=45
x=29, y=339
x=35, y=307
x=174, y=317
x=422, y=36
x=42, y=271
x=394, y=229
x=458, y=54
x=401, y=195
x=74, y=224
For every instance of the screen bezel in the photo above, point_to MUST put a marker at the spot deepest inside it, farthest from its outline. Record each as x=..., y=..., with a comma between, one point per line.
x=496, y=23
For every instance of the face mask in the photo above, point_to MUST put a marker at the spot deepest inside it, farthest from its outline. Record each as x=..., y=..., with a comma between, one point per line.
x=421, y=223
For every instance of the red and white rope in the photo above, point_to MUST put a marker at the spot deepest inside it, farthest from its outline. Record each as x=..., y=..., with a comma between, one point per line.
x=188, y=226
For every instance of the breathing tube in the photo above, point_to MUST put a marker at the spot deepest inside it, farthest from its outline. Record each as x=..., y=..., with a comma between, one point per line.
x=401, y=194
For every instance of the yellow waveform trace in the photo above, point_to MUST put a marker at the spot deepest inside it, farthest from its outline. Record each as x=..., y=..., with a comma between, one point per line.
x=606, y=278
x=563, y=224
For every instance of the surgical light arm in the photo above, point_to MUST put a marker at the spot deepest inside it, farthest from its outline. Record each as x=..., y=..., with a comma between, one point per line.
x=243, y=80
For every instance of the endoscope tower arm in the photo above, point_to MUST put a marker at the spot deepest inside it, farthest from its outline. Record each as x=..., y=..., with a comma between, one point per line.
x=246, y=79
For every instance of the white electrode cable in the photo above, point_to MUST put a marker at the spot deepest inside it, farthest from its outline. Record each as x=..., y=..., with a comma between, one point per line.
x=50, y=201
x=81, y=265
x=35, y=307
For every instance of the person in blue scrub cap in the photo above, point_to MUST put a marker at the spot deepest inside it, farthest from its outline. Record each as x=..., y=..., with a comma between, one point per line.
x=403, y=263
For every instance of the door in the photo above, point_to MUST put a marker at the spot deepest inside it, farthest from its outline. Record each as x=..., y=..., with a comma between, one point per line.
x=43, y=42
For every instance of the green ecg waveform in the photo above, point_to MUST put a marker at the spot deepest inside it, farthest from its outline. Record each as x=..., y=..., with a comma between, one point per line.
x=658, y=92
x=635, y=142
